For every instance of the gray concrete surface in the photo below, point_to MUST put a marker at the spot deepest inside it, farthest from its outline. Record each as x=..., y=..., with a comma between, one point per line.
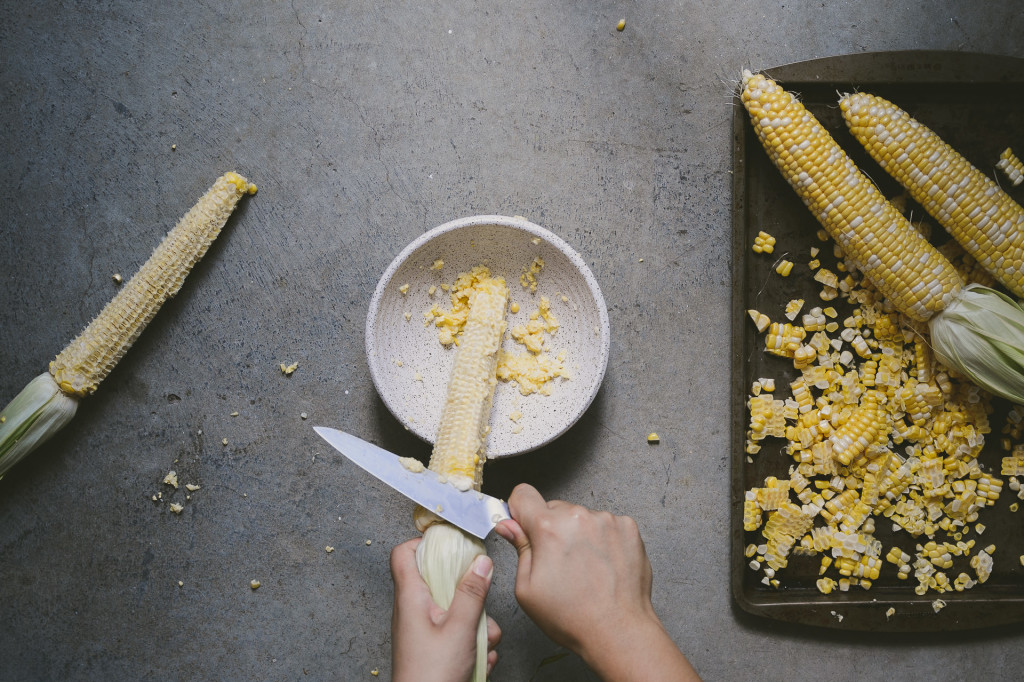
x=365, y=124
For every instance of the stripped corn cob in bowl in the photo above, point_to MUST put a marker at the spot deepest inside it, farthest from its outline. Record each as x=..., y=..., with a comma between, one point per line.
x=557, y=320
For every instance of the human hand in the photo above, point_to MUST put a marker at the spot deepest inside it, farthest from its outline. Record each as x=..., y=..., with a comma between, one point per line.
x=585, y=579
x=427, y=642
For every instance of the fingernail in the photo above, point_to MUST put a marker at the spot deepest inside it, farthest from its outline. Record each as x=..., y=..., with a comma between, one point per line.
x=483, y=566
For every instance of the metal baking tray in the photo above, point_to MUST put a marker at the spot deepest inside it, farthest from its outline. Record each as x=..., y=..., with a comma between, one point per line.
x=975, y=103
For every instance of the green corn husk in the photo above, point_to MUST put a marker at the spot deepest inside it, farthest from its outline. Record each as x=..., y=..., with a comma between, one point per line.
x=981, y=335
x=35, y=414
x=442, y=558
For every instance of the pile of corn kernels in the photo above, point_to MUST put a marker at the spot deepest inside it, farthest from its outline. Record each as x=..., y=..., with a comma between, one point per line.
x=879, y=433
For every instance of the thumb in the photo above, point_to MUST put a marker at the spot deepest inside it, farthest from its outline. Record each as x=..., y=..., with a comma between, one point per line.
x=511, y=530
x=468, y=602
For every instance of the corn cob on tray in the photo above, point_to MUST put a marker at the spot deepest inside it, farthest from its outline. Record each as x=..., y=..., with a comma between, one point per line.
x=867, y=580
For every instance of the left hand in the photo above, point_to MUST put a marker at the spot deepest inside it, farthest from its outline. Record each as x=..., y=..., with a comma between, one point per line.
x=427, y=642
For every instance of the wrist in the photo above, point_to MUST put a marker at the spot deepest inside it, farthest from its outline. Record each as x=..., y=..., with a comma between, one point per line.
x=623, y=646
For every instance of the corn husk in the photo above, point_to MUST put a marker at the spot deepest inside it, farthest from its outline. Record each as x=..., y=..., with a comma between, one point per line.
x=442, y=558
x=35, y=414
x=981, y=335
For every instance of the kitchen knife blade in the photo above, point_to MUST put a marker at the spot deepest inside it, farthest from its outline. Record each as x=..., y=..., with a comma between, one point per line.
x=471, y=511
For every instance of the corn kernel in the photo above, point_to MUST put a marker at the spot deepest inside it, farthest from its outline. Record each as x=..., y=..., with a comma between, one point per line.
x=764, y=243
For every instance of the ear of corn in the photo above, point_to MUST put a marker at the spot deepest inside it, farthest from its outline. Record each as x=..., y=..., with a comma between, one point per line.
x=442, y=558
x=459, y=453
x=981, y=337
x=901, y=263
x=965, y=201
x=50, y=400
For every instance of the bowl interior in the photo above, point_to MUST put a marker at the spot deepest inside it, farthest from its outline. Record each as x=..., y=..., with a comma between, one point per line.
x=410, y=367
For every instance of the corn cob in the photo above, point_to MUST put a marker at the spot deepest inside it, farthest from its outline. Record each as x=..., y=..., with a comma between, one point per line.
x=901, y=264
x=975, y=330
x=965, y=201
x=459, y=452
x=49, y=401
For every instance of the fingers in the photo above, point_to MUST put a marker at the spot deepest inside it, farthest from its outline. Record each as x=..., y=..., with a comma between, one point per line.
x=514, y=533
x=403, y=564
x=525, y=503
x=468, y=602
x=492, y=660
x=493, y=633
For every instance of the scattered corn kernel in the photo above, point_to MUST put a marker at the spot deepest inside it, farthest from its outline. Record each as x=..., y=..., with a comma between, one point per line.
x=621, y=26
x=764, y=243
x=784, y=268
x=793, y=308
x=761, y=320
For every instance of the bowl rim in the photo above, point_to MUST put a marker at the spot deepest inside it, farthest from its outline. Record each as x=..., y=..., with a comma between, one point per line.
x=525, y=225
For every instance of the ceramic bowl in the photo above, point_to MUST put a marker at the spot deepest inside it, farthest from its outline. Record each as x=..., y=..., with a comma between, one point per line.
x=410, y=367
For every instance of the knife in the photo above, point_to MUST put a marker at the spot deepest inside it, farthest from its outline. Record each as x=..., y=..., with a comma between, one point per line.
x=471, y=511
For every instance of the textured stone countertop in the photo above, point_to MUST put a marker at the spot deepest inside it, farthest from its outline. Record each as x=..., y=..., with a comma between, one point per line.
x=365, y=124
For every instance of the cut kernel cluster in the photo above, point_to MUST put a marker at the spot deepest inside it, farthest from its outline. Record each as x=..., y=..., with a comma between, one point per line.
x=761, y=321
x=764, y=243
x=793, y=308
x=534, y=370
x=876, y=430
x=529, y=277
x=784, y=339
x=1011, y=165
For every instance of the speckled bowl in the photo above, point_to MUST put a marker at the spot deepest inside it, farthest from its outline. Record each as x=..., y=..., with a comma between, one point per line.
x=400, y=350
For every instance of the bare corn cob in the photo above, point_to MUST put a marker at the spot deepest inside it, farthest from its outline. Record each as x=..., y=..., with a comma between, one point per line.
x=901, y=263
x=974, y=330
x=459, y=450
x=459, y=453
x=49, y=402
x=87, y=360
x=965, y=201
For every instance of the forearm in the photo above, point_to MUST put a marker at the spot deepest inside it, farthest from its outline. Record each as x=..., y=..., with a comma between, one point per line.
x=638, y=654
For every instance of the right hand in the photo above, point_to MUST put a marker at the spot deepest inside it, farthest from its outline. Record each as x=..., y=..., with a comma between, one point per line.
x=585, y=580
